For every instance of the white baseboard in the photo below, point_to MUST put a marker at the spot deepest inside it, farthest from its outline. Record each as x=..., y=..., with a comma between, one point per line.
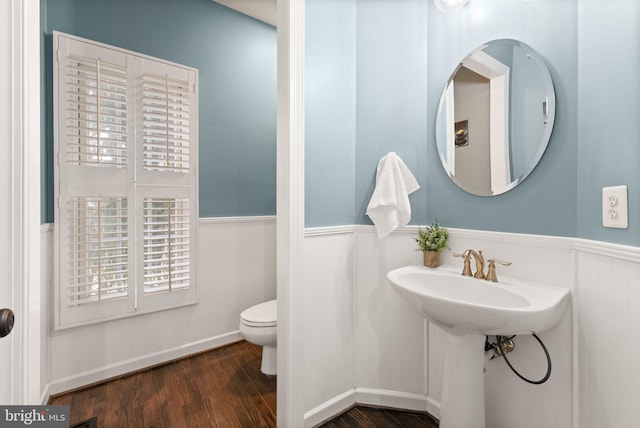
x=433, y=407
x=330, y=408
x=371, y=397
x=44, y=395
x=394, y=399
x=128, y=366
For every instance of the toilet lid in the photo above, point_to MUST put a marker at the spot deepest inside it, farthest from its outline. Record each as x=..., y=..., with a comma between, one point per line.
x=262, y=315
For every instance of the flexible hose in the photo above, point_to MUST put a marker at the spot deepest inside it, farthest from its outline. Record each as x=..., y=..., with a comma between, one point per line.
x=506, y=360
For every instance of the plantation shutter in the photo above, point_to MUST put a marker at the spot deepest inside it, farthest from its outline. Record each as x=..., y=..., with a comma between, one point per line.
x=166, y=183
x=94, y=155
x=96, y=110
x=166, y=244
x=166, y=123
x=126, y=150
x=98, y=249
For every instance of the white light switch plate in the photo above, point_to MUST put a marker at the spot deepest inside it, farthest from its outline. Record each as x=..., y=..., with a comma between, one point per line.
x=614, y=207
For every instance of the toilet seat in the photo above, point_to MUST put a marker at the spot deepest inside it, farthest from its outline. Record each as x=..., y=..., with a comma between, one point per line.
x=262, y=315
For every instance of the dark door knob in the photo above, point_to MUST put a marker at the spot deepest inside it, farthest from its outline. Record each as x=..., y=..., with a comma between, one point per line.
x=6, y=321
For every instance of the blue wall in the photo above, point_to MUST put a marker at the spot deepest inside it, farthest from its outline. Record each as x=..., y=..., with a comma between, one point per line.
x=391, y=96
x=236, y=58
x=397, y=93
x=373, y=80
x=330, y=113
x=609, y=108
x=365, y=91
x=546, y=202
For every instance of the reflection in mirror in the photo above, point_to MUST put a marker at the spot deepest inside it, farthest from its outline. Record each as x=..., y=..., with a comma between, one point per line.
x=495, y=117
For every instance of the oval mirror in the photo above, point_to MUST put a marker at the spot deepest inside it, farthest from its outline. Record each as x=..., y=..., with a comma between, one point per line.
x=495, y=117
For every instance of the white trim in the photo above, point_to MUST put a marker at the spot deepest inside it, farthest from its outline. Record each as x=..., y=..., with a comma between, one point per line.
x=237, y=219
x=373, y=397
x=394, y=399
x=362, y=228
x=433, y=407
x=521, y=238
x=602, y=248
x=499, y=134
x=329, y=409
x=290, y=209
x=328, y=230
x=44, y=395
x=575, y=343
x=508, y=237
x=485, y=65
x=498, y=75
x=450, y=114
x=25, y=186
x=138, y=363
x=622, y=252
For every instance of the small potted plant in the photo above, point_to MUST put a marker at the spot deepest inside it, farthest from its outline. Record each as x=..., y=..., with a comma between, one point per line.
x=431, y=241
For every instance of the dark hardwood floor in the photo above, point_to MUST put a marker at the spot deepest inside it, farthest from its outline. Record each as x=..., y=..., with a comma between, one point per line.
x=379, y=417
x=219, y=388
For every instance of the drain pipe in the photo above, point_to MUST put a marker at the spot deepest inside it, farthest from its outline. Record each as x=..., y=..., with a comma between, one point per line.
x=504, y=345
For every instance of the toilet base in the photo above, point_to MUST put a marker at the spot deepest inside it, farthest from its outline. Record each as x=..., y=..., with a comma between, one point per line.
x=269, y=360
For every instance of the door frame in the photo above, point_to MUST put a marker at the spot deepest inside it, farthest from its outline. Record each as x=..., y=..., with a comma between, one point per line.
x=290, y=210
x=25, y=100
x=498, y=75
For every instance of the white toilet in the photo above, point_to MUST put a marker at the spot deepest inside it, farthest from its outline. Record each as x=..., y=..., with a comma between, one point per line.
x=258, y=325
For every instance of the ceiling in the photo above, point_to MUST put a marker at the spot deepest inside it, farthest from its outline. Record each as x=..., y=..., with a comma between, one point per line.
x=262, y=10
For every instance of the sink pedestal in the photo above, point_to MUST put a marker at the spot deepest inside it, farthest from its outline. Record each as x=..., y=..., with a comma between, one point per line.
x=462, y=404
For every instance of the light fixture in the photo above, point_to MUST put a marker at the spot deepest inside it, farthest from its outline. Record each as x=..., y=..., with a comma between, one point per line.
x=447, y=5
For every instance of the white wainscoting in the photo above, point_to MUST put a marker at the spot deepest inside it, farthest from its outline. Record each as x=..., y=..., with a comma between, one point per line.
x=236, y=269
x=328, y=324
x=608, y=344
x=397, y=357
x=391, y=340
x=362, y=345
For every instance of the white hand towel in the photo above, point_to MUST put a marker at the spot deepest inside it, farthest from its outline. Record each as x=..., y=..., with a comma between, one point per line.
x=389, y=207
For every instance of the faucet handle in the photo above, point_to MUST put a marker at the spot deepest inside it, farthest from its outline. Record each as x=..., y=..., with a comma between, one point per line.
x=491, y=270
x=466, y=255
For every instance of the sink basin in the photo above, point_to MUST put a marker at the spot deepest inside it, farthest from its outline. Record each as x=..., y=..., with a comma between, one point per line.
x=468, y=309
x=466, y=305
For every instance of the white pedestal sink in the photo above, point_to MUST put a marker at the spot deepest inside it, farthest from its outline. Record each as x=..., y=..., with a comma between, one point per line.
x=467, y=309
